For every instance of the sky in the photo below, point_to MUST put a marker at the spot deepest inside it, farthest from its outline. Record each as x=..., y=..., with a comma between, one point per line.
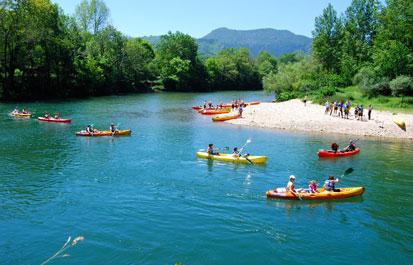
x=197, y=18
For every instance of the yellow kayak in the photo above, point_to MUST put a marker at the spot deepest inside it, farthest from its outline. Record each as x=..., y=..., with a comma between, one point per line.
x=231, y=158
x=400, y=122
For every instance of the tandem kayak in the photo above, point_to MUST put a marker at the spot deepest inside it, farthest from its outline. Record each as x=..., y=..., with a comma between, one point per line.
x=230, y=158
x=104, y=133
x=280, y=193
x=226, y=117
x=330, y=153
x=51, y=119
x=214, y=111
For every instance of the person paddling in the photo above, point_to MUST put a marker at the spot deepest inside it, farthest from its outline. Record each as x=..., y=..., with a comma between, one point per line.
x=351, y=146
x=291, y=187
x=330, y=184
x=235, y=153
x=113, y=128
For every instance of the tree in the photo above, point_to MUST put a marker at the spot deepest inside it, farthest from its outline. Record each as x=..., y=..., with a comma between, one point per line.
x=360, y=28
x=175, y=51
x=393, y=46
x=92, y=15
x=327, y=36
x=266, y=63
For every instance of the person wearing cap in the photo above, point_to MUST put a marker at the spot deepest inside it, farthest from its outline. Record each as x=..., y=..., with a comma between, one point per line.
x=291, y=187
x=330, y=184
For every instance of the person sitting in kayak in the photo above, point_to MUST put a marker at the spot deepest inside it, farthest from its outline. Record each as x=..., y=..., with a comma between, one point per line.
x=351, y=146
x=312, y=187
x=89, y=129
x=113, y=128
x=56, y=116
x=47, y=116
x=24, y=111
x=290, y=185
x=334, y=147
x=210, y=150
x=236, y=153
x=329, y=184
x=240, y=110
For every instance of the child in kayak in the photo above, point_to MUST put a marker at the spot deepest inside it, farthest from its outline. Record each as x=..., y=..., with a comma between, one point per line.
x=329, y=184
x=312, y=187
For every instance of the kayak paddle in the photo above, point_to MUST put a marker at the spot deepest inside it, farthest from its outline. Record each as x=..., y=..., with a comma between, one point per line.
x=347, y=172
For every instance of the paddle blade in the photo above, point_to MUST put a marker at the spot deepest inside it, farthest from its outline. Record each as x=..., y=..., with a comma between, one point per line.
x=348, y=171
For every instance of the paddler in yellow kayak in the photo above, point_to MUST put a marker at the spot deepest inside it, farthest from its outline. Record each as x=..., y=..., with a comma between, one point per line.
x=113, y=128
x=210, y=150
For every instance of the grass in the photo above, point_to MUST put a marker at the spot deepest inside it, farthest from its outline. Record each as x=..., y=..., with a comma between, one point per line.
x=393, y=104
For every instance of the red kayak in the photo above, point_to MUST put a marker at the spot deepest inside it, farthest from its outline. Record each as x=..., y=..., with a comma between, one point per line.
x=339, y=153
x=54, y=120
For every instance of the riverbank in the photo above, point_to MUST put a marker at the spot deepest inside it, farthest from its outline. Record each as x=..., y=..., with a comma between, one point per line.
x=295, y=116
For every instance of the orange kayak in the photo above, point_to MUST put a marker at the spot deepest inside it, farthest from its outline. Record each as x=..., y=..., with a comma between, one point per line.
x=214, y=111
x=322, y=194
x=226, y=117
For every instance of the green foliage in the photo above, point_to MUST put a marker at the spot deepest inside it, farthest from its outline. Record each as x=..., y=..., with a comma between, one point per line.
x=327, y=35
x=92, y=15
x=402, y=86
x=233, y=69
x=287, y=95
x=178, y=63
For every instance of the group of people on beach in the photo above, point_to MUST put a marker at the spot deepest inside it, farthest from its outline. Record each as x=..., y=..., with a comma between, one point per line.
x=342, y=109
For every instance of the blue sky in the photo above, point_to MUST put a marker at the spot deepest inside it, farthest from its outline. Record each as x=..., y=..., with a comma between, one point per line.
x=198, y=17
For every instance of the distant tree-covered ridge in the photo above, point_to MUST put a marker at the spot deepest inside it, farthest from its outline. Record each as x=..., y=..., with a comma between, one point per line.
x=275, y=42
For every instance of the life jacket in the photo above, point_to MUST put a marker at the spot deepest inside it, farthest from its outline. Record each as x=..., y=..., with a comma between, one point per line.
x=329, y=185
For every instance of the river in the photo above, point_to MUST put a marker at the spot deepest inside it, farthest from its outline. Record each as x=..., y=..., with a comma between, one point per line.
x=146, y=199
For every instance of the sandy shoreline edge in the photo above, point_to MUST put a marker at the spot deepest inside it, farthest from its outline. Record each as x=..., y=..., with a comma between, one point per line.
x=293, y=115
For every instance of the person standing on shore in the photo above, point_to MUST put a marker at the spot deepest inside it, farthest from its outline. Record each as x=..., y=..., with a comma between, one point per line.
x=369, y=111
x=305, y=100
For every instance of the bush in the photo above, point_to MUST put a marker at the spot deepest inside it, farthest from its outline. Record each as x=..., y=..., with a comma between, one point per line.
x=327, y=91
x=402, y=86
x=284, y=96
x=370, y=84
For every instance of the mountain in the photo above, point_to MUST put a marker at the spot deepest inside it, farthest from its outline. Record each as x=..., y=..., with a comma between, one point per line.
x=276, y=42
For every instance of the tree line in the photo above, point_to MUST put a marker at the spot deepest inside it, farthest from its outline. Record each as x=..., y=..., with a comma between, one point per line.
x=370, y=46
x=46, y=54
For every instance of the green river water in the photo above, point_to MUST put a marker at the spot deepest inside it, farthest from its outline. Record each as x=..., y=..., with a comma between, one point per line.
x=146, y=199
